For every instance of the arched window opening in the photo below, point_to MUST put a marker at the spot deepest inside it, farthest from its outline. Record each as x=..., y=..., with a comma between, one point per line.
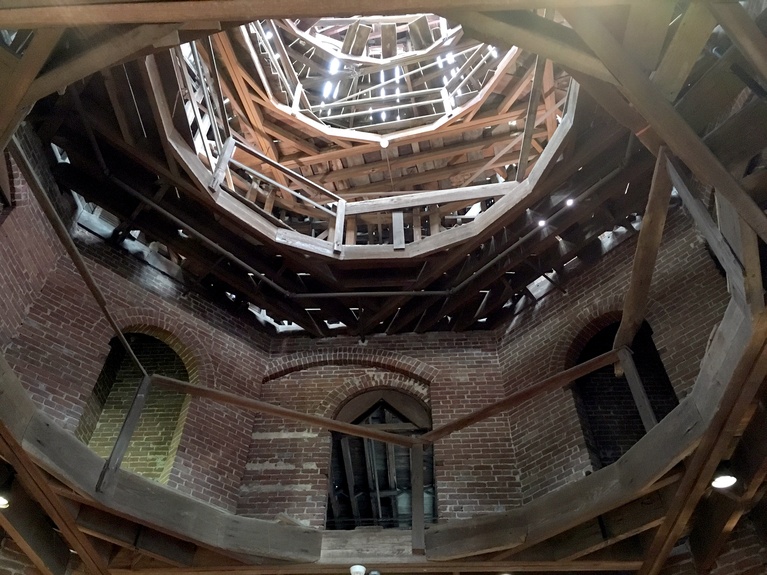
x=370, y=481
x=154, y=443
x=609, y=417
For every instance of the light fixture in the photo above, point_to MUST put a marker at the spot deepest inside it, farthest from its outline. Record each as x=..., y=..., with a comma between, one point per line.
x=384, y=143
x=541, y=223
x=570, y=201
x=357, y=570
x=6, y=481
x=723, y=477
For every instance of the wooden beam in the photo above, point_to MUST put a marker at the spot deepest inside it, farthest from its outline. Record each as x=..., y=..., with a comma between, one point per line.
x=349, y=472
x=549, y=384
x=683, y=50
x=648, y=244
x=669, y=125
x=524, y=30
x=618, y=525
x=638, y=392
x=18, y=80
x=744, y=244
x=709, y=230
x=130, y=535
x=32, y=531
x=720, y=512
x=289, y=414
x=102, y=56
x=82, y=13
x=532, y=108
x=35, y=484
x=417, y=499
x=747, y=366
x=112, y=464
x=646, y=31
x=744, y=33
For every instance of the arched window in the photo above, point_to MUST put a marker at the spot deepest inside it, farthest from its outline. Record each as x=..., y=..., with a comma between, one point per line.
x=369, y=480
x=609, y=417
x=155, y=441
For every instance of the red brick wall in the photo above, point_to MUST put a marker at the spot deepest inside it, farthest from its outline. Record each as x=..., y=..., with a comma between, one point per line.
x=475, y=471
x=28, y=251
x=287, y=470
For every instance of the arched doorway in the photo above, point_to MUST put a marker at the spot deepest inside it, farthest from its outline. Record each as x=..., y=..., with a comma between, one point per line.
x=370, y=481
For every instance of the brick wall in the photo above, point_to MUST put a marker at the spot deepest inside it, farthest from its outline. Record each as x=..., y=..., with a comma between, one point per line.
x=287, y=470
x=474, y=467
x=28, y=250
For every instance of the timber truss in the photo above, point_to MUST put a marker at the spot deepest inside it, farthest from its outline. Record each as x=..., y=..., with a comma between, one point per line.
x=380, y=230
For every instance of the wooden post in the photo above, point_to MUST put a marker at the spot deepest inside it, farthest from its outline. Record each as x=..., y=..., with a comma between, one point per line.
x=398, y=230
x=349, y=469
x=338, y=232
x=115, y=458
x=416, y=499
x=638, y=391
x=650, y=236
x=223, y=163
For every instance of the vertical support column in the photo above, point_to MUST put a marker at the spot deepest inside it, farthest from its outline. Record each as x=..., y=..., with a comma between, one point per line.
x=416, y=499
x=338, y=232
x=123, y=438
x=351, y=230
x=637, y=389
x=744, y=243
x=416, y=224
x=398, y=230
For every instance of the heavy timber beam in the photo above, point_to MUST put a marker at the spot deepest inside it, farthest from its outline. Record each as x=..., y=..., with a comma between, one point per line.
x=18, y=79
x=648, y=243
x=532, y=33
x=659, y=113
x=554, y=382
x=30, y=528
x=743, y=32
x=608, y=529
x=289, y=414
x=43, y=13
x=720, y=512
x=134, y=536
x=532, y=108
x=35, y=484
x=107, y=54
x=749, y=371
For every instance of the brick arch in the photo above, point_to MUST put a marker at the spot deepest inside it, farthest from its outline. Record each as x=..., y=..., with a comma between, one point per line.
x=335, y=400
x=387, y=360
x=179, y=337
x=588, y=322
